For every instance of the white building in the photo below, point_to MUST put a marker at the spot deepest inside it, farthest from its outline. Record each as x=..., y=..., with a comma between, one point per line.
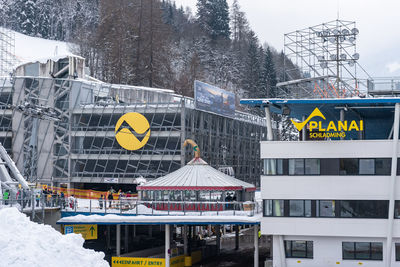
x=333, y=201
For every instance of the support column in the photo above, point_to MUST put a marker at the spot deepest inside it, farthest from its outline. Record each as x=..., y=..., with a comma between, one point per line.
x=126, y=239
x=150, y=231
x=218, y=232
x=392, y=185
x=236, y=237
x=304, y=130
x=118, y=245
x=185, y=240
x=167, y=245
x=256, y=250
x=134, y=231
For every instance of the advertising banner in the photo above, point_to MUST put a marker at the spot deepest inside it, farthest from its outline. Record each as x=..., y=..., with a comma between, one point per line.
x=214, y=99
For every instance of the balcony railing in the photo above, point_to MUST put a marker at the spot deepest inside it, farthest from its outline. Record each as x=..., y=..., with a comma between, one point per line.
x=132, y=206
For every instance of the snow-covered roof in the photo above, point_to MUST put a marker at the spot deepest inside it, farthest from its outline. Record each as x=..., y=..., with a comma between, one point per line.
x=197, y=175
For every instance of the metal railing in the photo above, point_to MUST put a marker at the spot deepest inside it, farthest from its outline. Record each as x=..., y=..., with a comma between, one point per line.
x=132, y=206
x=29, y=203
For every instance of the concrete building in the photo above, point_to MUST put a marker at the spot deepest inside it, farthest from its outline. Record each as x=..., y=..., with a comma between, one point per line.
x=333, y=198
x=60, y=127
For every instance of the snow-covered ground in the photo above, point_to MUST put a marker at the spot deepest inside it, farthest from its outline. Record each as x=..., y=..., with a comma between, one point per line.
x=25, y=243
x=28, y=49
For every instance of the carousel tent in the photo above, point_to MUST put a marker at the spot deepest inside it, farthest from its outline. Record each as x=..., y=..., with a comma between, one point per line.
x=197, y=175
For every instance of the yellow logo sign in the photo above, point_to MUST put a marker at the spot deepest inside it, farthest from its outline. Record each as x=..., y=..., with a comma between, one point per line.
x=332, y=130
x=315, y=113
x=132, y=131
x=88, y=231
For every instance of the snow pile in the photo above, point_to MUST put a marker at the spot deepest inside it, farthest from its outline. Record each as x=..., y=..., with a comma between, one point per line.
x=25, y=243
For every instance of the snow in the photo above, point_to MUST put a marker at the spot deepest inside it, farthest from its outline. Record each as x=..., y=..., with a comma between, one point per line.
x=25, y=243
x=161, y=219
x=32, y=49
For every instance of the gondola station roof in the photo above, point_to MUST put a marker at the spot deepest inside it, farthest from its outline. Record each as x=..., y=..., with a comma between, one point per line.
x=197, y=175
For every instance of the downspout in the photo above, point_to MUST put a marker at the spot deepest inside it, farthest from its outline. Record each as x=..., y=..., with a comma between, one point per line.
x=392, y=186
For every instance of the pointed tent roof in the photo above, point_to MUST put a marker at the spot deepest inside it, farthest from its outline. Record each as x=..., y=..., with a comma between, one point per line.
x=197, y=175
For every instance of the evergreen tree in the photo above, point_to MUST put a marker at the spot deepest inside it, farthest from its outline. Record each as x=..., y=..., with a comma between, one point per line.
x=251, y=79
x=27, y=18
x=213, y=17
x=269, y=75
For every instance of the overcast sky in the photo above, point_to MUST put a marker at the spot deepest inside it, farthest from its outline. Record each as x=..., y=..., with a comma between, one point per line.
x=378, y=21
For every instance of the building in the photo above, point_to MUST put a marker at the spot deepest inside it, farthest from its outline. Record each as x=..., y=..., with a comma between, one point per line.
x=333, y=197
x=60, y=127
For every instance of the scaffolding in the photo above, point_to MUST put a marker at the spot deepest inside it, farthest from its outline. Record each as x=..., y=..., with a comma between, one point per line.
x=7, y=51
x=322, y=61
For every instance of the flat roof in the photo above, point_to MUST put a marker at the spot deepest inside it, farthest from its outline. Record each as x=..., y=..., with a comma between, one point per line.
x=113, y=219
x=377, y=113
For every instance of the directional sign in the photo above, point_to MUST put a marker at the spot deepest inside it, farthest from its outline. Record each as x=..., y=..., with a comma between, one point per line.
x=136, y=262
x=88, y=231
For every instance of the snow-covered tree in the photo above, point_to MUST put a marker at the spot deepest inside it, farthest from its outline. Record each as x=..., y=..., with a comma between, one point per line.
x=213, y=17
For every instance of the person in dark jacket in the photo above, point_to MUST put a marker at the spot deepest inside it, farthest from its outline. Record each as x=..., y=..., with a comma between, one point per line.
x=110, y=198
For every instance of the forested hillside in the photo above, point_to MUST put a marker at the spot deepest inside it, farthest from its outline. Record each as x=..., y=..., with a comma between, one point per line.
x=155, y=43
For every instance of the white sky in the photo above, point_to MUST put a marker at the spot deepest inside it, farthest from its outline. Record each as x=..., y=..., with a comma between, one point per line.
x=378, y=21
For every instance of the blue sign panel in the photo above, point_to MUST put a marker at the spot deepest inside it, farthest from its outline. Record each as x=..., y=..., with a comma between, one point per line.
x=214, y=99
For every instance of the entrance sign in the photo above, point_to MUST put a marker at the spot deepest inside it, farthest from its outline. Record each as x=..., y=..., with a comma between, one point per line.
x=136, y=262
x=88, y=231
x=333, y=130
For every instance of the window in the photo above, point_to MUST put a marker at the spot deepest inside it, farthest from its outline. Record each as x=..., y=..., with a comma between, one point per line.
x=329, y=166
x=296, y=166
x=367, y=166
x=326, y=208
x=267, y=207
x=278, y=208
x=397, y=245
x=296, y=208
x=364, y=208
x=383, y=166
x=362, y=250
x=348, y=167
x=312, y=166
x=299, y=249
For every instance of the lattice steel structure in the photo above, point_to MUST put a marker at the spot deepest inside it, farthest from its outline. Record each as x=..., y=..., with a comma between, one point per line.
x=80, y=148
x=7, y=51
x=327, y=59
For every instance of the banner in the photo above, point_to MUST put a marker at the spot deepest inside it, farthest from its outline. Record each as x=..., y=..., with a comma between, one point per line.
x=214, y=99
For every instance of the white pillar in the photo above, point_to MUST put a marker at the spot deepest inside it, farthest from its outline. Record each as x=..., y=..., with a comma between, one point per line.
x=118, y=245
x=185, y=240
x=167, y=245
x=256, y=251
x=392, y=185
x=304, y=130
x=278, y=251
x=270, y=135
x=126, y=238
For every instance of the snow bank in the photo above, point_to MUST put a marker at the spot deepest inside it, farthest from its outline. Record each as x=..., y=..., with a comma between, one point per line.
x=25, y=243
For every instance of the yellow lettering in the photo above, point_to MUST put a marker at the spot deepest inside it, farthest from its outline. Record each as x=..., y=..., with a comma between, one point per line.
x=331, y=127
x=342, y=125
x=313, y=125
x=353, y=126
x=361, y=125
x=320, y=127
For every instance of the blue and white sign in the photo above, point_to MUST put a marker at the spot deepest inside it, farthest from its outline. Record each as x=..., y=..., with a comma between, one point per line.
x=69, y=229
x=214, y=99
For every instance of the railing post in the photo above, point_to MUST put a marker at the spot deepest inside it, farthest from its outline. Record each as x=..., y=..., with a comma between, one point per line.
x=137, y=208
x=184, y=207
x=217, y=208
x=90, y=206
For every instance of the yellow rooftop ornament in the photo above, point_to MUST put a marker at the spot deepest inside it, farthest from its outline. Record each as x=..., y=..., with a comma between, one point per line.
x=195, y=147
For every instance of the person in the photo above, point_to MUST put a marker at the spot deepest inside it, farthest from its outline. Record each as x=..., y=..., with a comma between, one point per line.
x=6, y=196
x=62, y=198
x=110, y=197
x=37, y=199
x=101, y=202
x=71, y=201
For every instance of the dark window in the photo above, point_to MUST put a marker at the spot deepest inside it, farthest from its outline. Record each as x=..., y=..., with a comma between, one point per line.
x=362, y=250
x=383, y=166
x=329, y=166
x=348, y=167
x=397, y=251
x=299, y=249
x=364, y=208
x=397, y=209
